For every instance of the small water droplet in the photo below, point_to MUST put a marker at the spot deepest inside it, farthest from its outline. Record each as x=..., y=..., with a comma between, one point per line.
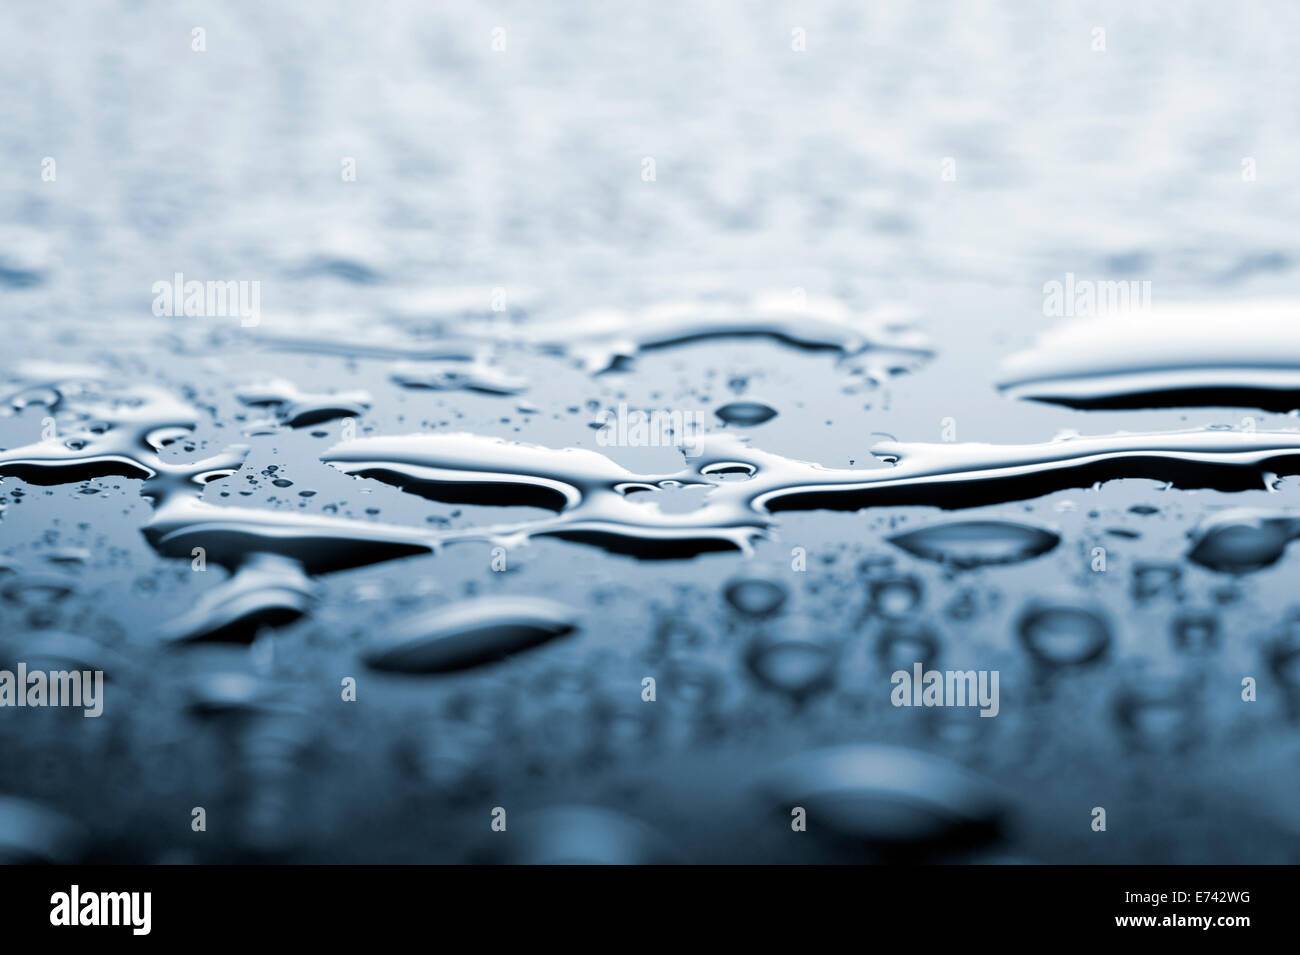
x=746, y=414
x=1195, y=633
x=895, y=597
x=755, y=597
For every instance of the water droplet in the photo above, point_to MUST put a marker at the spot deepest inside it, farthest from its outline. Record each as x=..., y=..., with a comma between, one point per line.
x=580, y=835
x=231, y=693
x=729, y=471
x=1155, y=580
x=1241, y=542
x=1195, y=633
x=797, y=666
x=889, y=797
x=1159, y=714
x=266, y=591
x=898, y=646
x=53, y=650
x=754, y=596
x=606, y=338
x=468, y=634
x=746, y=414
x=452, y=375
x=1240, y=354
x=32, y=833
x=895, y=597
x=968, y=544
x=1061, y=635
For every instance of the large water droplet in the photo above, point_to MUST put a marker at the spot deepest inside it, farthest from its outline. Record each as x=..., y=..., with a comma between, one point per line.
x=889, y=796
x=468, y=634
x=1241, y=353
x=1240, y=542
x=266, y=591
x=967, y=544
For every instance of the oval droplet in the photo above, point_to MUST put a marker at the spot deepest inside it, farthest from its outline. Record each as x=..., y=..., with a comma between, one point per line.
x=746, y=414
x=899, y=646
x=889, y=796
x=468, y=634
x=581, y=835
x=799, y=668
x=1241, y=546
x=895, y=597
x=969, y=544
x=754, y=596
x=1061, y=635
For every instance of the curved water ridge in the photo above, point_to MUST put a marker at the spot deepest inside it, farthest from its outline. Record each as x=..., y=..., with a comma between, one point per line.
x=272, y=554
x=594, y=499
x=600, y=338
x=297, y=408
x=1245, y=354
x=599, y=501
x=120, y=434
x=125, y=433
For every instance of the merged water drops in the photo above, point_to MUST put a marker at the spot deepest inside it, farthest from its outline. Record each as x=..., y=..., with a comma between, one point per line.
x=477, y=375
x=590, y=492
x=731, y=496
x=603, y=338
